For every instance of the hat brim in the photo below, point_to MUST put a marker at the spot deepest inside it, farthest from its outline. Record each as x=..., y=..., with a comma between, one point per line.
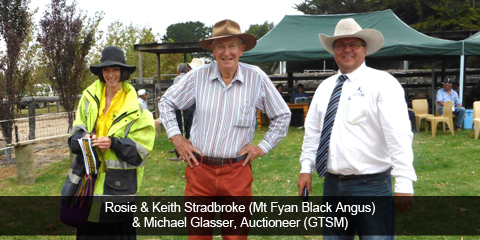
x=249, y=41
x=97, y=69
x=372, y=37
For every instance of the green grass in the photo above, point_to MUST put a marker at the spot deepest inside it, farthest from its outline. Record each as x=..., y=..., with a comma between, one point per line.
x=446, y=166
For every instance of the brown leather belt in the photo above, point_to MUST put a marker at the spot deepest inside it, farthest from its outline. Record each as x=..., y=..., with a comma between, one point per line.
x=219, y=161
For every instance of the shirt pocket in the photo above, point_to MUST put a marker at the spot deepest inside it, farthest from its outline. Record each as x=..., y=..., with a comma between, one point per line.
x=356, y=110
x=245, y=116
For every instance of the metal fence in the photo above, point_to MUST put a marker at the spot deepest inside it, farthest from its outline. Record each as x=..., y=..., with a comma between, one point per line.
x=42, y=126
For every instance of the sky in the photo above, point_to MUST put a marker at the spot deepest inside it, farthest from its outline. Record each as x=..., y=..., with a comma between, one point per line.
x=159, y=14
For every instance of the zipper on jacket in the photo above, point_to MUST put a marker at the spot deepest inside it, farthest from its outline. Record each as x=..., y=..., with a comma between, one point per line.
x=95, y=98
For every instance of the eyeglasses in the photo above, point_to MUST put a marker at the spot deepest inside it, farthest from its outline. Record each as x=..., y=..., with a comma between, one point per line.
x=353, y=46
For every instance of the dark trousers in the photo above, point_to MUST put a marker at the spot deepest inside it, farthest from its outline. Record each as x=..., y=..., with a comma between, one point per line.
x=361, y=191
x=188, y=119
x=178, y=113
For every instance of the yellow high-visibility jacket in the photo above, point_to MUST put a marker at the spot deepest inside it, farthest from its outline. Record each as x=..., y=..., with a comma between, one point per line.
x=121, y=167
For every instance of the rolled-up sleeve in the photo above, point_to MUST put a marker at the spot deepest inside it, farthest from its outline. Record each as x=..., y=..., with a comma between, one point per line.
x=277, y=111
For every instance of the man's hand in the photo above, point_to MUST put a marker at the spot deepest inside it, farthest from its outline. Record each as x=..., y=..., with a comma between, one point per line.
x=157, y=122
x=252, y=152
x=403, y=201
x=185, y=150
x=102, y=143
x=305, y=179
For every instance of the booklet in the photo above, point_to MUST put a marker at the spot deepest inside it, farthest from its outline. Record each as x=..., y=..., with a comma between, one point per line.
x=88, y=155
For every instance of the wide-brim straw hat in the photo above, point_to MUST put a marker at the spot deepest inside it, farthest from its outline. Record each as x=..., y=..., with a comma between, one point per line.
x=348, y=28
x=112, y=56
x=228, y=28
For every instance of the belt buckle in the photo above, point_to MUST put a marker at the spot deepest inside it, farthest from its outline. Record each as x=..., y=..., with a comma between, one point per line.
x=341, y=177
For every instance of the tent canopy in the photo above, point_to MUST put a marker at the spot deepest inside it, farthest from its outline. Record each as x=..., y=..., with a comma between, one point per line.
x=472, y=45
x=295, y=38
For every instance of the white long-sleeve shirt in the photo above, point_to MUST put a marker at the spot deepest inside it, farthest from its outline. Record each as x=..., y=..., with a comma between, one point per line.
x=371, y=132
x=225, y=116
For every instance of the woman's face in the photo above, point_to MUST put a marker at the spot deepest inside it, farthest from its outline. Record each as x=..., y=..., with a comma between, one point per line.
x=112, y=75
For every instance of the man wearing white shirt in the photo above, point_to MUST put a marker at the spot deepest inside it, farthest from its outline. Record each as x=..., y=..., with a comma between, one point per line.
x=142, y=98
x=370, y=139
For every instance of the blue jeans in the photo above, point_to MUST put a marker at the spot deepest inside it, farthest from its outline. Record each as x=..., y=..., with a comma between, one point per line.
x=360, y=191
x=459, y=112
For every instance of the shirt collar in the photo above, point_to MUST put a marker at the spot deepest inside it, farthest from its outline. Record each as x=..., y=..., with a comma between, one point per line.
x=355, y=74
x=238, y=74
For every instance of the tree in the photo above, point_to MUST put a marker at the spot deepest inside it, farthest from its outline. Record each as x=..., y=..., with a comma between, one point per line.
x=258, y=31
x=186, y=32
x=15, y=26
x=66, y=39
x=422, y=15
x=314, y=7
x=125, y=37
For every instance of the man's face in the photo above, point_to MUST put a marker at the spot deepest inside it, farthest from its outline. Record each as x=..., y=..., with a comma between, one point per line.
x=447, y=87
x=227, y=51
x=349, y=59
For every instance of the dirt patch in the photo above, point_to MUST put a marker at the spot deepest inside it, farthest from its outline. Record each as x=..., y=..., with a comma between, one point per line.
x=45, y=153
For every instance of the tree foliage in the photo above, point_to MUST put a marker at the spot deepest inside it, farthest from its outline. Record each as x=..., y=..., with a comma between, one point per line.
x=423, y=15
x=15, y=26
x=258, y=31
x=66, y=38
x=125, y=37
x=186, y=32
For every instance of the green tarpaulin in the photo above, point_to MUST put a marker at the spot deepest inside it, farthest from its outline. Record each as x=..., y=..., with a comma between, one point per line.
x=295, y=38
x=472, y=45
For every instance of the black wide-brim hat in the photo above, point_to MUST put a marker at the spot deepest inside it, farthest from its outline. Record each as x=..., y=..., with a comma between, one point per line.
x=112, y=56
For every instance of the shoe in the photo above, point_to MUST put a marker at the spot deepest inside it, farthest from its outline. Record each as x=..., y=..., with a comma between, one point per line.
x=172, y=151
x=458, y=128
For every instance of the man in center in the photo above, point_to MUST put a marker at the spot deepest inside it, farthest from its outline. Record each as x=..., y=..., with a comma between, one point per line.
x=227, y=94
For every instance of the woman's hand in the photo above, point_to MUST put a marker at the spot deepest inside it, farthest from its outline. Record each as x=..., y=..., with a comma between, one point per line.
x=102, y=143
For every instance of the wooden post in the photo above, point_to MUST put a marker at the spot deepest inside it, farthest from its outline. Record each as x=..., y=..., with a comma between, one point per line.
x=25, y=164
x=31, y=120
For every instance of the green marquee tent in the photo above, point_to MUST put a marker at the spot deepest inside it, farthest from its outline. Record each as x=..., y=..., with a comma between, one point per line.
x=472, y=45
x=295, y=38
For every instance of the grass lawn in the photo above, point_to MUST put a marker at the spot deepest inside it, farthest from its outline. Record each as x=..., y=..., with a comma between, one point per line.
x=446, y=166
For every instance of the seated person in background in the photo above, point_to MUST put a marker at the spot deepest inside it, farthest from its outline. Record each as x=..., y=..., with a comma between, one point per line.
x=280, y=90
x=299, y=92
x=448, y=94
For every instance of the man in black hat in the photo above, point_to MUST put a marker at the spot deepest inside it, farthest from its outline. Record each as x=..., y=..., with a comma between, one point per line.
x=446, y=93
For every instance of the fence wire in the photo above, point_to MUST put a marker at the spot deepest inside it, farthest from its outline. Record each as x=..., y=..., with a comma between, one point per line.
x=37, y=127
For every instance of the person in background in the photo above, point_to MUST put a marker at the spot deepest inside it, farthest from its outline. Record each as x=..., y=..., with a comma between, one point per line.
x=227, y=94
x=280, y=90
x=299, y=92
x=446, y=93
x=142, y=98
x=182, y=69
x=358, y=136
x=122, y=135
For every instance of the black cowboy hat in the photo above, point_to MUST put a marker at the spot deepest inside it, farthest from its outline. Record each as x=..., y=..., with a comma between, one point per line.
x=112, y=56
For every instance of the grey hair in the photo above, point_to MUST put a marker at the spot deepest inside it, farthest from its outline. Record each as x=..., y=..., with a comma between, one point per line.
x=183, y=67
